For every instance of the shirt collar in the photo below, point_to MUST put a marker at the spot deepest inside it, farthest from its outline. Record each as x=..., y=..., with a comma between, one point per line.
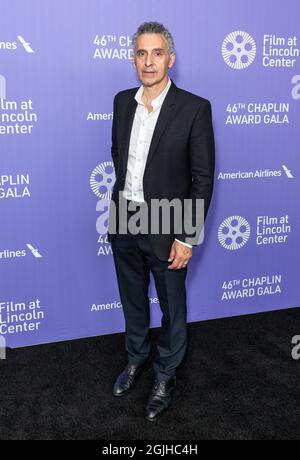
x=158, y=101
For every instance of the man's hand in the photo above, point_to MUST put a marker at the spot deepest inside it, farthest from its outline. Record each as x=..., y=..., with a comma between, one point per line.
x=179, y=255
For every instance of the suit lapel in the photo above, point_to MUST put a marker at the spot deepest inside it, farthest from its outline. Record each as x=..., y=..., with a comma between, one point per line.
x=166, y=114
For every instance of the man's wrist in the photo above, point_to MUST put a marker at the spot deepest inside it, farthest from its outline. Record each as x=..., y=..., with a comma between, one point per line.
x=185, y=244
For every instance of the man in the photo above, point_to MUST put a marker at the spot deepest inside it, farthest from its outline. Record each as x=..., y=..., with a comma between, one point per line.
x=162, y=148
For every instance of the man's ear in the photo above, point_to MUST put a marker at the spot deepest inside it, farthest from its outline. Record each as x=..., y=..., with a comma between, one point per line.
x=133, y=61
x=172, y=60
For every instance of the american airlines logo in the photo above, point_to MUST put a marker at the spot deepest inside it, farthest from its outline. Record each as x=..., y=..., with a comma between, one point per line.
x=34, y=251
x=256, y=174
x=287, y=172
x=18, y=253
x=14, y=45
x=25, y=44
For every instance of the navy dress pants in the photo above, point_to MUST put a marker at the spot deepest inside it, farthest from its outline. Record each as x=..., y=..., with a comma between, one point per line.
x=134, y=259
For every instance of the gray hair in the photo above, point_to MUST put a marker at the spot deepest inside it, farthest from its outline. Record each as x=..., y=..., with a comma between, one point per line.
x=154, y=28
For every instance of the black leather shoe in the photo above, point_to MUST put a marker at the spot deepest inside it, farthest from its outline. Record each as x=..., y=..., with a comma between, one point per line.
x=160, y=398
x=126, y=380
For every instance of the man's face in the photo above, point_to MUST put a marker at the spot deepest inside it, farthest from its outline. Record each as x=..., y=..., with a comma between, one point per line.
x=151, y=59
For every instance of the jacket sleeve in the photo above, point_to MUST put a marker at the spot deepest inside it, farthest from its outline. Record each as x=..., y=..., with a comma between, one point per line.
x=114, y=144
x=202, y=163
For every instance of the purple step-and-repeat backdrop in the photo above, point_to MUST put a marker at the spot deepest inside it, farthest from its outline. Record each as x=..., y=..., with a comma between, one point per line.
x=61, y=63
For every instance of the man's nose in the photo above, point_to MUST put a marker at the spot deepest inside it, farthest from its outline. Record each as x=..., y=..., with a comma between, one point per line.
x=149, y=60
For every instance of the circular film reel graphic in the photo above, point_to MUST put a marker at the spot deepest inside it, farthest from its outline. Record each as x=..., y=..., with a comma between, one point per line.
x=102, y=180
x=238, y=50
x=234, y=233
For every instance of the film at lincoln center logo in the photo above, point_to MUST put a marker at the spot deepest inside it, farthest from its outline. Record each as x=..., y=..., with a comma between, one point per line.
x=102, y=180
x=234, y=232
x=238, y=50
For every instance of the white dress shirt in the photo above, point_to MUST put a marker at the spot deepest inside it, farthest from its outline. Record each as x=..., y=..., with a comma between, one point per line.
x=140, y=139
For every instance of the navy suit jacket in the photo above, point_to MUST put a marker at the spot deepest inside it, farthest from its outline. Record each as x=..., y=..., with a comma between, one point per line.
x=181, y=158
